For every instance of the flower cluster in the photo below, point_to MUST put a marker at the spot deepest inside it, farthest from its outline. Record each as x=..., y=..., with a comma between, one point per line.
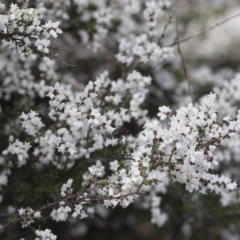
x=20, y=149
x=60, y=214
x=22, y=28
x=186, y=157
x=31, y=122
x=152, y=12
x=142, y=50
x=45, y=235
x=27, y=216
x=66, y=188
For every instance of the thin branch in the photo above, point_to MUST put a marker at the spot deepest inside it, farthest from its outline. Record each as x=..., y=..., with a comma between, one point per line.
x=61, y=61
x=203, y=32
x=182, y=59
x=166, y=26
x=38, y=210
x=83, y=199
x=60, y=49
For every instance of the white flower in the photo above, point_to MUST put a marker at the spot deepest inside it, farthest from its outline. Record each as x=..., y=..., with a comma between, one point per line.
x=97, y=170
x=66, y=188
x=114, y=165
x=18, y=148
x=45, y=235
x=31, y=122
x=163, y=112
x=60, y=214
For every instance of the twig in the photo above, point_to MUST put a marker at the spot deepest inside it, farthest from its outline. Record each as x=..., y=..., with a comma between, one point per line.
x=204, y=31
x=165, y=27
x=93, y=199
x=61, y=61
x=182, y=58
x=38, y=210
x=61, y=49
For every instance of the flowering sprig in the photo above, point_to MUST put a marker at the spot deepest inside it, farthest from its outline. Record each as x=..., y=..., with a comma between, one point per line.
x=103, y=131
x=27, y=216
x=22, y=28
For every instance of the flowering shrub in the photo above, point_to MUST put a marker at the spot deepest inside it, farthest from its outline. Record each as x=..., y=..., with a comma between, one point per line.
x=75, y=148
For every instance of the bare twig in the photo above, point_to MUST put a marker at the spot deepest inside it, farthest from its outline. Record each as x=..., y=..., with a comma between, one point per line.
x=61, y=61
x=182, y=58
x=203, y=32
x=166, y=26
x=60, y=49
